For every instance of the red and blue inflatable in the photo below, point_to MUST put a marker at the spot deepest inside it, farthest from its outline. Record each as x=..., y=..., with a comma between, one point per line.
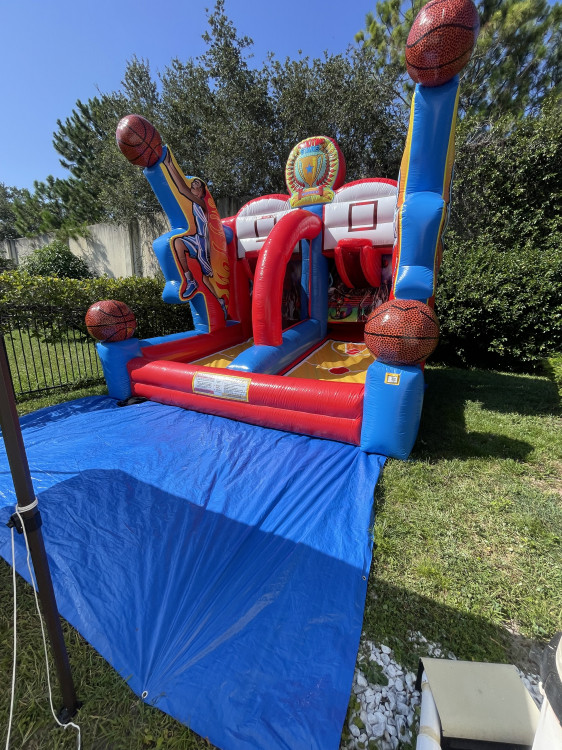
x=280, y=293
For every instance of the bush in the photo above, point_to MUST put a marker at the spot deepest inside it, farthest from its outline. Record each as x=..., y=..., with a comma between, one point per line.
x=497, y=309
x=56, y=259
x=499, y=298
x=143, y=296
x=6, y=264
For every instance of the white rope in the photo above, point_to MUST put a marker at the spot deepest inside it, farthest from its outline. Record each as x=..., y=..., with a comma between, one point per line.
x=20, y=509
x=34, y=586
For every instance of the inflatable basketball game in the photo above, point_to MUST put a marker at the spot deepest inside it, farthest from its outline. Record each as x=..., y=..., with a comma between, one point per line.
x=312, y=309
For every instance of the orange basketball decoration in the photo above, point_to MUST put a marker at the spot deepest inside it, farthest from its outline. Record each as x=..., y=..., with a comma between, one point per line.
x=441, y=40
x=402, y=332
x=139, y=140
x=110, y=320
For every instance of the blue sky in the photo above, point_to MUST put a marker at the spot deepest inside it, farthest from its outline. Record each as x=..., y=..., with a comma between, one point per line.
x=54, y=52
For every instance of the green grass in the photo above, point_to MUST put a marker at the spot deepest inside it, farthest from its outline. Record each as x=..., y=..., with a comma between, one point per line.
x=68, y=357
x=469, y=531
x=468, y=552
x=25, y=406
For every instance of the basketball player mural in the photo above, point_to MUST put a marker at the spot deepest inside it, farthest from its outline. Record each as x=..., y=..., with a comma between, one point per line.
x=199, y=247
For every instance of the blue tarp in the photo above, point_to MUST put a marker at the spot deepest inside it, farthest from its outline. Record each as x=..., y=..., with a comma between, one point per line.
x=221, y=568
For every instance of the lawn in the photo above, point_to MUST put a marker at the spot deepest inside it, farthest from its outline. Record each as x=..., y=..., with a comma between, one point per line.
x=44, y=357
x=468, y=552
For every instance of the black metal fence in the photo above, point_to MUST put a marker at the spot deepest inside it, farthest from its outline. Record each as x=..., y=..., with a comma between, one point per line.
x=48, y=348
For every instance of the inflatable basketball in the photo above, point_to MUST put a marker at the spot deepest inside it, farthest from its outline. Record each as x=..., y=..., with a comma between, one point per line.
x=110, y=320
x=139, y=140
x=402, y=332
x=441, y=41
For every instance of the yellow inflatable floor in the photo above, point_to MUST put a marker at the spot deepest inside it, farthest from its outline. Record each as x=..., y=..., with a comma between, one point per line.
x=333, y=360
x=224, y=358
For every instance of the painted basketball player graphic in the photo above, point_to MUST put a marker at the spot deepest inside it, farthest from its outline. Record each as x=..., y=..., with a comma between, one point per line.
x=195, y=242
x=199, y=252
x=198, y=249
x=195, y=245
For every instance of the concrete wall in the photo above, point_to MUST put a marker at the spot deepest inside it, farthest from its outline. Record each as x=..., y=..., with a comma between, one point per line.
x=113, y=249
x=109, y=249
x=122, y=249
x=17, y=250
x=150, y=227
x=106, y=250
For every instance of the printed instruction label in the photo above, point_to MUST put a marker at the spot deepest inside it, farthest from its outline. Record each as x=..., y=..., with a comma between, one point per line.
x=392, y=378
x=221, y=386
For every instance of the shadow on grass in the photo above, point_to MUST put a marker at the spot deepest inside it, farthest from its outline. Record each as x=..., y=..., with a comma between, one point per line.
x=443, y=432
x=394, y=615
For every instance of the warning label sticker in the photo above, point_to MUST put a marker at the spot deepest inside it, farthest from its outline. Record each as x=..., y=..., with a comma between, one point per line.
x=221, y=386
x=392, y=378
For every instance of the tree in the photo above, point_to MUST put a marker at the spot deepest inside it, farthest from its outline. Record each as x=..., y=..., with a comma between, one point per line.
x=52, y=207
x=343, y=97
x=104, y=185
x=27, y=211
x=236, y=126
x=517, y=59
x=240, y=129
x=8, y=195
x=185, y=109
x=230, y=123
x=140, y=90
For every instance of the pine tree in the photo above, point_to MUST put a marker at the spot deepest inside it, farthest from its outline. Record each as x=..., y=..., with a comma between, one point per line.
x=8, y=196
x=517, y=60
x=104, y=185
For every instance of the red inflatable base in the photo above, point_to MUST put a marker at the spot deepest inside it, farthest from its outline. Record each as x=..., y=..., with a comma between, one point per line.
x=322, y=409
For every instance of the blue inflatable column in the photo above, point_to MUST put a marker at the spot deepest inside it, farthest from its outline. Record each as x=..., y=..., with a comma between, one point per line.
x=315, y=276
x=394, y=394
x=114, y=357
x=424, y=190
x=392, y=409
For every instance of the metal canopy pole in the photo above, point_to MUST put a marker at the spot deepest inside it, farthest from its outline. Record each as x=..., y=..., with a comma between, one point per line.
x=30, y=517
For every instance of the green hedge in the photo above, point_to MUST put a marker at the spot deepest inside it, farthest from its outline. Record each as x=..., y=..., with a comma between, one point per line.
x=143, y=296
x=499, y=297
x=500, y=309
